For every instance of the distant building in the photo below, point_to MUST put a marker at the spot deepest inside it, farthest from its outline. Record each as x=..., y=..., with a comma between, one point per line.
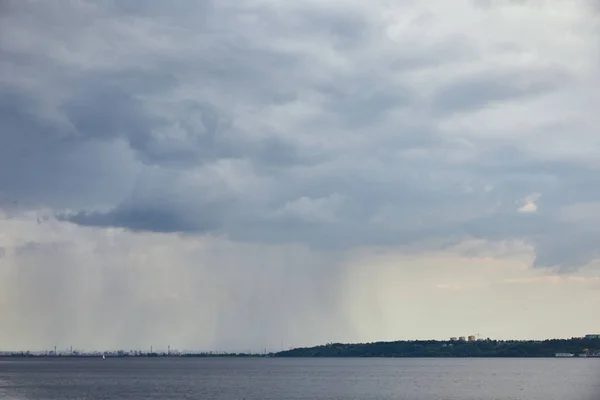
x=472, y=338
x=462, y=339
x=593, y=336
x=453, y=339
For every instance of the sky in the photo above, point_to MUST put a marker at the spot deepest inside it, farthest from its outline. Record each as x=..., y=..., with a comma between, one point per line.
x=257, y=174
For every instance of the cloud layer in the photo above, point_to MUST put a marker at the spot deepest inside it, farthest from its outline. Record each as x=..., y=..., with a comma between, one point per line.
x=327, y=126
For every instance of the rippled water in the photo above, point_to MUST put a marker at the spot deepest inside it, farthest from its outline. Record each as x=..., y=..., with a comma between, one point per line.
x=271, y=378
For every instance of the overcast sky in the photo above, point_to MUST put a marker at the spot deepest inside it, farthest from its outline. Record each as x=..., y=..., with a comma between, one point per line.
x=249, y=174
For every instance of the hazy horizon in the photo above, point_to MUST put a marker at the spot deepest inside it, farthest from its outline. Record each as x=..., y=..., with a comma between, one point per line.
x=251, y=351
x=232, y=175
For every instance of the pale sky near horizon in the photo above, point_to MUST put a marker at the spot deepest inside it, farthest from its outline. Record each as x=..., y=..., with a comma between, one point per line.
x=238, y=175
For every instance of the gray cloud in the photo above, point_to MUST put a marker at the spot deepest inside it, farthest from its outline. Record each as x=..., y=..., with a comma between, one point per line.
x=333, y=127
x=482, y=91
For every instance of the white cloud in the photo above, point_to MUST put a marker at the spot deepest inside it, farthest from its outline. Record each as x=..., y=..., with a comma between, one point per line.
x=529, y=204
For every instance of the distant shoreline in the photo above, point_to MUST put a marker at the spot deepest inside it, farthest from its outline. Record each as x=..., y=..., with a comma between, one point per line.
x=551, y=348
x=488, y=348
x=187, y=355
x=19, y=357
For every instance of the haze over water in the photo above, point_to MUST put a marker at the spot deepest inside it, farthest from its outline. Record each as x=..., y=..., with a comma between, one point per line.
x=306, y=379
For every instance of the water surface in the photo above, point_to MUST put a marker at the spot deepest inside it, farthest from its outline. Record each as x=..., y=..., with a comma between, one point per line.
x=307, y=379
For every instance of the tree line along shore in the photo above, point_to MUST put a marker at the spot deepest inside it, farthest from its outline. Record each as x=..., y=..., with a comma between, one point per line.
x=434, y=348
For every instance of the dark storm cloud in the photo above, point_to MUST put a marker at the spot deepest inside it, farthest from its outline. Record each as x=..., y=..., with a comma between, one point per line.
x=140, y=218
x=43, y=163
x=107, y=115
x=303, y=122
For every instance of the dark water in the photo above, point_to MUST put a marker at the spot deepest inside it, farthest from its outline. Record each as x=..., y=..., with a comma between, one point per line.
x=269, y=378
